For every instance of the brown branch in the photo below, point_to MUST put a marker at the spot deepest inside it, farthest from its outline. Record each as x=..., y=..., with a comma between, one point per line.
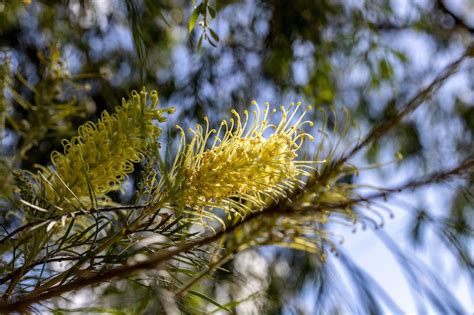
x=387, y=125
x=457, y=20
x=124, y=270
x=121, y=271
x=409, y=107
x=39, y=262
x=465, y=166
x=441, y=6
x=281, y=207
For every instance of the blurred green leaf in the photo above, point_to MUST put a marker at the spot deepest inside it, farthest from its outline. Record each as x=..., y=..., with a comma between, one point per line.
x=386, y=69
x=193, y=18
x=212, y=11
x=214, y=35
x=209, y=299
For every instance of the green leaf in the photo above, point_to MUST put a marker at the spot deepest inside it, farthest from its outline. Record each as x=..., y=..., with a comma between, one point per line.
x=214, y=35
x=193, y=19
x=212, y=12
x=211, y=42
x=210, y=300
x=326, y=95
x=402, y=57
x=386, y=69
x=200, y=41
x=202, y=8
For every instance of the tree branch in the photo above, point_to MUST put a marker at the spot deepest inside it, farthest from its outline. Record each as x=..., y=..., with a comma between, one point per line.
x=281, y=207
x=465, y=166
x=457, y=20
x=410, y=106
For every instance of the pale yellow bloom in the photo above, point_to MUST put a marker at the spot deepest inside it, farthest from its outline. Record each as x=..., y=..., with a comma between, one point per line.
x=98, y=159
x=245, y=163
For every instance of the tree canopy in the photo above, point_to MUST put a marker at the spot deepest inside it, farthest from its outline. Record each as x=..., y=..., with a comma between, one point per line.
x=218, y=156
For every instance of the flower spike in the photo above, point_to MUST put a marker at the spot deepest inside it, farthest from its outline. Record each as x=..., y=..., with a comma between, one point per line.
x=247, y=163
x=99, y=158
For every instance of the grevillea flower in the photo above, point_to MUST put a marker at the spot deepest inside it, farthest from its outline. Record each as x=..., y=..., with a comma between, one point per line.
x=244, y=164
x=97, y=160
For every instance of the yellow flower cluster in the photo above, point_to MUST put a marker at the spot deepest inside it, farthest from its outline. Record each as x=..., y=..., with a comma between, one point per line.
x=97, y=160
x=243, y=164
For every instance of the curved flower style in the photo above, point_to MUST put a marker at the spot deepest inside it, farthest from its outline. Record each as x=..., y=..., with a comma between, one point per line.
x=98, y=159
x=242, y=165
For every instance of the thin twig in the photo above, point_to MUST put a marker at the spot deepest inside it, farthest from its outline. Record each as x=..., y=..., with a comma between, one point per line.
x=466, y=166
x=71, y=214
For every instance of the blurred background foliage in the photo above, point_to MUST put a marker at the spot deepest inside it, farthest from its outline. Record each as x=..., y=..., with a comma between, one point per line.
x=206, y=57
